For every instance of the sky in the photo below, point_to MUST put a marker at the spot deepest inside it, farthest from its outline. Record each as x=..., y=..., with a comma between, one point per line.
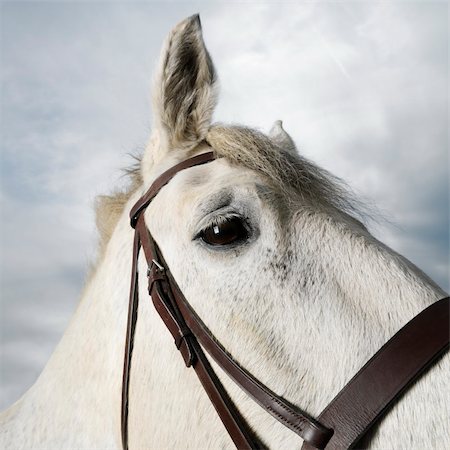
x=362, y=87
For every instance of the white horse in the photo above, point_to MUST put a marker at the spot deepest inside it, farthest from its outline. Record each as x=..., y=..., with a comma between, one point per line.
x=298, y=276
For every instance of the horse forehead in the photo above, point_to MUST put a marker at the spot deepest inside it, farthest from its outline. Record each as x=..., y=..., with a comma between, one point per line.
x=210, y=177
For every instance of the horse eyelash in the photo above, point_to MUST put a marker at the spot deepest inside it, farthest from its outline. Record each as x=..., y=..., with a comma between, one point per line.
x=219, y=220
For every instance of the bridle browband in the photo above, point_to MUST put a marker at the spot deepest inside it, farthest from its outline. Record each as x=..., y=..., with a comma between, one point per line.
x=359, y=405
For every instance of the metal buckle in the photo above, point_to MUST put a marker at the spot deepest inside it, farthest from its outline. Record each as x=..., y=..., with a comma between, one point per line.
x=157, y=265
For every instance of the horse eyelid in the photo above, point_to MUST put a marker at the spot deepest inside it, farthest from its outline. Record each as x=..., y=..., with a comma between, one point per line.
x=219, y=219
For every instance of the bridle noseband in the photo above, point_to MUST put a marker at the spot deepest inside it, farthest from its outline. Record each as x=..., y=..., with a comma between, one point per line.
x=359, y=405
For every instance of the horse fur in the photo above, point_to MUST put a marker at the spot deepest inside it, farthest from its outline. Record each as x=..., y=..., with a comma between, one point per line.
x=302, y=304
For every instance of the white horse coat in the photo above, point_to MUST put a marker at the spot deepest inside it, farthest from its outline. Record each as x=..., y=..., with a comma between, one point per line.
x=309, y=279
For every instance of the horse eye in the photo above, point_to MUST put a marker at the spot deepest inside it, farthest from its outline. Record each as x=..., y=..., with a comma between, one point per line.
x=230, y=231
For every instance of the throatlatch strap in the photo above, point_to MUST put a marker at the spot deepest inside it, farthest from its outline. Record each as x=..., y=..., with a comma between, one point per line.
x=367, y=396
x=131, y=327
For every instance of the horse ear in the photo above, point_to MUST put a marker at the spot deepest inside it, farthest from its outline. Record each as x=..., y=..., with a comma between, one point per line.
x=281, y=137
x=184, y=90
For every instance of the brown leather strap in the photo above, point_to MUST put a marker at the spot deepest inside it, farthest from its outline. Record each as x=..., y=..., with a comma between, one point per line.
x=131, y=327
x=368, y=395
x=163, y=179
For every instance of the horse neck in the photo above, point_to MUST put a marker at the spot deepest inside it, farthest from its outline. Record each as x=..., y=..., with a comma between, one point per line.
x=75, y=402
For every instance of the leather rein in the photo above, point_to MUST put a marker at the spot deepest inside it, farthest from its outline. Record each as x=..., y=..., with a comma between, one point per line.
x=355, y=410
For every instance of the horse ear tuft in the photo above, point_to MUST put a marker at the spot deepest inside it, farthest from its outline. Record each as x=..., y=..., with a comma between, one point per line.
x=184, y=91
x=282, y=138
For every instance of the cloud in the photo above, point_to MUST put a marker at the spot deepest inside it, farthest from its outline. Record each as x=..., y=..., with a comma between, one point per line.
x=362, y=87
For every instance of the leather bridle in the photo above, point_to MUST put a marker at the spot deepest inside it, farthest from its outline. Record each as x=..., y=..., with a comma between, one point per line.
x=359, y=405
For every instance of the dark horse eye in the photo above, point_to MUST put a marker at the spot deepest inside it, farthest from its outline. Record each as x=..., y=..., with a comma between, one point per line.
x=228, y=232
